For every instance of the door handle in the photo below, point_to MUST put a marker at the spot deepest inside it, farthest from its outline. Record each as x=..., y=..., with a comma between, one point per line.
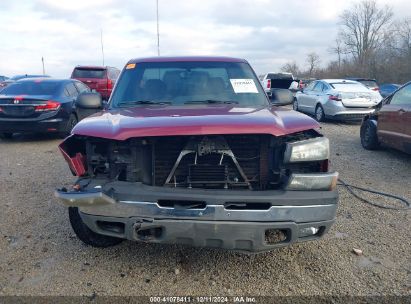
x=401, y=111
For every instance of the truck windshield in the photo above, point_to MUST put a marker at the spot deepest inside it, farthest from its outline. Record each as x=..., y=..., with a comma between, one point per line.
x=189, y=82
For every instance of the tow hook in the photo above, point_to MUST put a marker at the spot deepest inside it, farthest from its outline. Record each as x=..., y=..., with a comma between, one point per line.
x=146, y=231
x=136, y=226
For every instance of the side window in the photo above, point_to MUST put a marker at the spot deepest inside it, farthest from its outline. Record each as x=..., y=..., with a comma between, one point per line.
x=318, y=87
x=310, y=87
x=325, y=87
x=71, y=89
x=82, y=87
x=402, y=97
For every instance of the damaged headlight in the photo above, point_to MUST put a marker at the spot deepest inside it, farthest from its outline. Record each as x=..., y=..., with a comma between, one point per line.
x=307, y=150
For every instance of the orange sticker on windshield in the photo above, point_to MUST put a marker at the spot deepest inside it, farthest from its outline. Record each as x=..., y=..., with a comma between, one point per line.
x=130, y=66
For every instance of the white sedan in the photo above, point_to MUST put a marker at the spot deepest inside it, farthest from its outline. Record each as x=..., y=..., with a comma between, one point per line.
x=337, y=99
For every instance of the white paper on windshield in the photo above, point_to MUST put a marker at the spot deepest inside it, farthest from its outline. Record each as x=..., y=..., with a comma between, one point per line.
x=243, y=85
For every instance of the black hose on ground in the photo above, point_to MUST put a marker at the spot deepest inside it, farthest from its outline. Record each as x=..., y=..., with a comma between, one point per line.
x=350, y=188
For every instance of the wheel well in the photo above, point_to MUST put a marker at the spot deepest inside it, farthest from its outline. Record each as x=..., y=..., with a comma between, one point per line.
x=372, y=117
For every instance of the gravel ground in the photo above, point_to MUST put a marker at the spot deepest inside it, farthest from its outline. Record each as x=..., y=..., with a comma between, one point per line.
x=40, y=255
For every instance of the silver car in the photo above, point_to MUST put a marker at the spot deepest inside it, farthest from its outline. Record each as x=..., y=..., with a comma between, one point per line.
x=337, y=99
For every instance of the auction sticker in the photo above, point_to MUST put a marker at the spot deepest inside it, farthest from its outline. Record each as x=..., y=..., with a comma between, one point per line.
x=243, y=85
x=130, y=66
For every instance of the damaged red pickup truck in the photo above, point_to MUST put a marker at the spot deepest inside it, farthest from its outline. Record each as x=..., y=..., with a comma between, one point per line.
x=189, y=150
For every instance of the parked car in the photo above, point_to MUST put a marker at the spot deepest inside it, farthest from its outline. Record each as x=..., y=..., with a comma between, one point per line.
x=8, y=81
x=390, y=125
x=388, y=88
x=278, y=86
x=191, y=151
x=100, y=79
x=336, y=99
x=368, y=82
x=3, y=78
x=39, y=105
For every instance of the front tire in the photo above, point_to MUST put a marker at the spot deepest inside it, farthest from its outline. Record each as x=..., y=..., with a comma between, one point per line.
x=86, y=235
x=319, y=113
x=72, y=121
x=368, y=133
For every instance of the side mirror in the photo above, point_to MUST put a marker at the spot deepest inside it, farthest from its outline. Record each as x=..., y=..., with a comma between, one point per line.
x=282, y=97
x=89, y=101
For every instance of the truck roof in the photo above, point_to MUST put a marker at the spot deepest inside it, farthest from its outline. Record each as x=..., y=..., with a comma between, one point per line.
x=187, y=58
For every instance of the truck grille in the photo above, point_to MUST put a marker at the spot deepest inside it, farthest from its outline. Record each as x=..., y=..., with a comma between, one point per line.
x=206, y=170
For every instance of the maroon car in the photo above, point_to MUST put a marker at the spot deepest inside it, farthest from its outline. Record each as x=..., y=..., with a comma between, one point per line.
x=190, y=151
x=391, y=124
x=100, y=79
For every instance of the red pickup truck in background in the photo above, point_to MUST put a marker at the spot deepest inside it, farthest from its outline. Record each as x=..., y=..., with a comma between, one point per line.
x=98, y=78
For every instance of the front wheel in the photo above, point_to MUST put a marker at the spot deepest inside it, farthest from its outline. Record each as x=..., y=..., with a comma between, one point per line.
x=368, y=133
x=88, y=236
x=319, y=113
x=72, y=121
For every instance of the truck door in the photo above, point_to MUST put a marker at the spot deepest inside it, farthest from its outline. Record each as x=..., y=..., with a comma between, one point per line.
x=394, y=120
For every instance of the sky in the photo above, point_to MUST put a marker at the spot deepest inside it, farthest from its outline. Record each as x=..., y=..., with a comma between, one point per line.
x=268, y=33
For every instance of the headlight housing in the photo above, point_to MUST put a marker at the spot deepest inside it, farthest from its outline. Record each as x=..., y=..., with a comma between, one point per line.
x=314, y=149
x=313, y=181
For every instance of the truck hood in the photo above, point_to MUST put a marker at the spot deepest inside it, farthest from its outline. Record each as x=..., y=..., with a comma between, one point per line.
x=142, y=121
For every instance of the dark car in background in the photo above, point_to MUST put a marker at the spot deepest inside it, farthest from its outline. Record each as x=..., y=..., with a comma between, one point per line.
x=98, y=78
x=368, y=82
x=39, y=105
x=391, y=124
x=3, y=78
x=388, y=88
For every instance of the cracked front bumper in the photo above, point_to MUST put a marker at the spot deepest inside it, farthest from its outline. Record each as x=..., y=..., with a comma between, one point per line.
x=134, y=212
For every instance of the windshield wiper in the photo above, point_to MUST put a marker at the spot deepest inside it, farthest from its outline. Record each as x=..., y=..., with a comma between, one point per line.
x=143, y=102
x=212, y=101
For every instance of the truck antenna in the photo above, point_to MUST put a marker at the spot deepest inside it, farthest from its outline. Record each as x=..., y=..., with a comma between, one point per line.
x=42, y=61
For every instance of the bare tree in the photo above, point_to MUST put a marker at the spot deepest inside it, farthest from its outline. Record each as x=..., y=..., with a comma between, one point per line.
x=313, y=61
x=403, y=33
x=291, y=67
x=362, y=28
x=338, y=49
